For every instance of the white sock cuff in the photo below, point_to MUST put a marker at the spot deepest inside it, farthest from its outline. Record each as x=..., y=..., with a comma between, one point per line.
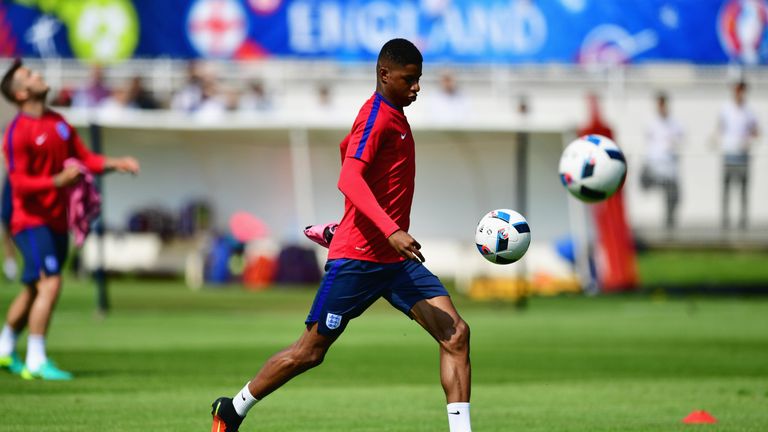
x=8, y=339
x=458, y=417
x=9, y=331
x=36, y=355
x=244, y=401
x=458, y=406
x=37, y=340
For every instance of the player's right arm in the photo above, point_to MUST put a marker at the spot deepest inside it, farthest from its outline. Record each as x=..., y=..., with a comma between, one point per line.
x=17, y=157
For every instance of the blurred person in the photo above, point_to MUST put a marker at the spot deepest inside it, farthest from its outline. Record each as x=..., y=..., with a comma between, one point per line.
x=36, y=144
x=523, y=106
x=737, y=129
x=190, y=96
x=371, y=254
x=615, y=246
x=324, y=95
x=596, y=123
x=231, y=99
x=212, y=104
x=116, y=105
x=63, y=97
x=256, y=98
x=139, y=96
x=449, y=104
x=94, y=92
x=10, y=267
x=664, y=136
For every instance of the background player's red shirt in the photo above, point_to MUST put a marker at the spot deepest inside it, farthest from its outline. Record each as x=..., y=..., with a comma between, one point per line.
x=381, y=137
x=35, y=150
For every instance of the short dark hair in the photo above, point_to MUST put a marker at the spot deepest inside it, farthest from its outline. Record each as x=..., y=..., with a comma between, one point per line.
x=400, y=52
x=6, y=85
x=741, y=85
x=661, y=96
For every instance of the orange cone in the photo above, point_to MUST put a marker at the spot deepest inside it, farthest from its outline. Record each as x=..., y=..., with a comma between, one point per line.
x=699, y=417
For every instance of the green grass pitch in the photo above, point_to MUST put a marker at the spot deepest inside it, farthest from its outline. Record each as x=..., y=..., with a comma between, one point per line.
x=620, y=363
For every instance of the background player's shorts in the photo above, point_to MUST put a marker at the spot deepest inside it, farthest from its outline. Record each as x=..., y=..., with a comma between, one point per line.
x=7, y=204
x=351, y=286
x=43, y=251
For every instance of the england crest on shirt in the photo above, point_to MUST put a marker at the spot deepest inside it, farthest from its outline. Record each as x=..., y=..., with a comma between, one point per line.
x=63, y=130
x=332, y=321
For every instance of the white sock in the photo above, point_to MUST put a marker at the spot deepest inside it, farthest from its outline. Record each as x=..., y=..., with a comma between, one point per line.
x=8, y=339
x=244, y=401
x=35, y=352
x=458, y=417
x=10, y=269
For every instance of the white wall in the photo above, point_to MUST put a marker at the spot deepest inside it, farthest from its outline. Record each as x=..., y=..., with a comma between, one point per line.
x=556, y=99
x=460, y=176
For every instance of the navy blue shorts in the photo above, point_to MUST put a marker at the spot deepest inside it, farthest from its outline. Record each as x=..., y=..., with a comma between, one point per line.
x=7, y=204
x=44, y=251
x=350, y=286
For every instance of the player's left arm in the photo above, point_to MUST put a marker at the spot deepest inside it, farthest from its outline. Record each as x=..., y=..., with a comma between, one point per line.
x=353, y=185
x=406, y=245
x=125, y=164
x=100, y=164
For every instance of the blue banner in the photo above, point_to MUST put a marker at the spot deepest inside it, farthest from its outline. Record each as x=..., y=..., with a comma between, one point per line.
x=472, y=31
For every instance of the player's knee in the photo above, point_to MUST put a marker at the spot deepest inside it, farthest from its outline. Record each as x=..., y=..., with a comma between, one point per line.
x=49, y=287
x=459, y=338
x=316, y=357
x=307, y=358
x=31, y=289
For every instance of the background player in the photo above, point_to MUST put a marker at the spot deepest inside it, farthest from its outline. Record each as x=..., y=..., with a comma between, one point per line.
x=738, y=129
x=9, y=252
x=372, y=255
x=36, y=144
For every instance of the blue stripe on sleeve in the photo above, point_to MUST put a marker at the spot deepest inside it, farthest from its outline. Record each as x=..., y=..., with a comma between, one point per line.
x=368, y=126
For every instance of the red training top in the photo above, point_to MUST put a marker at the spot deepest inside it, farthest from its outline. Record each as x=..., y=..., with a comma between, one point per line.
x=377, y=178
x=35, y=150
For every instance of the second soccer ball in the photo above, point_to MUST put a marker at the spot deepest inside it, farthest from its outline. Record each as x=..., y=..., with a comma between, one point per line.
x=592, y=168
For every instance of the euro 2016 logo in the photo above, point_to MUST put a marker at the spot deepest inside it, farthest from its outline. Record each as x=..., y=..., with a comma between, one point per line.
x=742, y=27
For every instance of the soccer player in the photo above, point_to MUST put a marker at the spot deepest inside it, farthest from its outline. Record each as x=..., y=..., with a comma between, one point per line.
x=9, y=252
x=36, y=144
x=372, y=255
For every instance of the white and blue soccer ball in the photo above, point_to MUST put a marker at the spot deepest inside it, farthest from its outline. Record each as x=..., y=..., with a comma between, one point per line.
x=502, y=236
x=592, y=168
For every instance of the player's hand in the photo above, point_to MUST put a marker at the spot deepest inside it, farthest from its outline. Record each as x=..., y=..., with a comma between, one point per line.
x=67, y=177
x=406, y=245
x=127, y=165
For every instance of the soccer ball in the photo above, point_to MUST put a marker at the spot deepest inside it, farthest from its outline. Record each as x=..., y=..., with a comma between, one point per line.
x=502, y=236
x=592, y=168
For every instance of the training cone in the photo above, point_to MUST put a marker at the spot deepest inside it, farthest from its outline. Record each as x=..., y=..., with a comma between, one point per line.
x=698, y=417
